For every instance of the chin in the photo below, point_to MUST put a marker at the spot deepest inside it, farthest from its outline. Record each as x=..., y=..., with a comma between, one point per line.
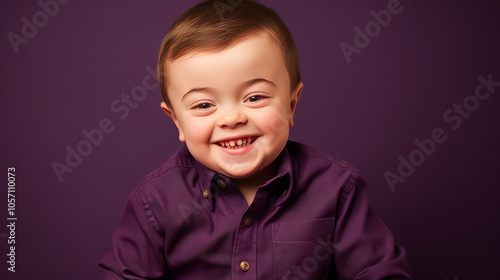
x=240, y=174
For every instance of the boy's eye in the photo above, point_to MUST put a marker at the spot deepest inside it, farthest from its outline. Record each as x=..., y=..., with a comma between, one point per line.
x=255, y=98
x=203, y=106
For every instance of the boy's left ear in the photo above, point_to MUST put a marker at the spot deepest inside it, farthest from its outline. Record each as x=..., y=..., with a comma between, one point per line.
x=293, y=102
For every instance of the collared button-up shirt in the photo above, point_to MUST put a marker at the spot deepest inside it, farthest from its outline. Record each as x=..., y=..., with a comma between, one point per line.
x=311, y=221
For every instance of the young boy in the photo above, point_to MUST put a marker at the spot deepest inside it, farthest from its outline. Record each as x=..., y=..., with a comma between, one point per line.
x=239, y=200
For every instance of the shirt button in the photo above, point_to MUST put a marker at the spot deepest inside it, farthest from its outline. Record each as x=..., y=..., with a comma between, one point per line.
x=244, y=266
x=205, y=193
x=247, y=221
x=221, y=183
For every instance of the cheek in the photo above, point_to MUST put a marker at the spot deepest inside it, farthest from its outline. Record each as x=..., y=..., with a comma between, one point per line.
x=197, y=130
x=274, y=121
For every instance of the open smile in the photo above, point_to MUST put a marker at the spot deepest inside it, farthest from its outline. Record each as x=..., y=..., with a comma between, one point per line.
x=237, y=143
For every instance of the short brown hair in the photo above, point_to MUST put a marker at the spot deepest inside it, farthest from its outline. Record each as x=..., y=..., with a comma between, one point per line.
x=213, y=26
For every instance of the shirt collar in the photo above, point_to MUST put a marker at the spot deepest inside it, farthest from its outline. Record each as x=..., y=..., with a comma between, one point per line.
x=210, y=182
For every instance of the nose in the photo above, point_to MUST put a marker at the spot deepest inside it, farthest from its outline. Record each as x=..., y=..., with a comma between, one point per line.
x=232, y=119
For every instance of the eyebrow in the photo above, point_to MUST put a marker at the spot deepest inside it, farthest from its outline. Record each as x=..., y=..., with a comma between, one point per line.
x=243, y=85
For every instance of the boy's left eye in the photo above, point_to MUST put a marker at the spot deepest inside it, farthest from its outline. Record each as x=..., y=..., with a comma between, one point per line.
x=255, y=98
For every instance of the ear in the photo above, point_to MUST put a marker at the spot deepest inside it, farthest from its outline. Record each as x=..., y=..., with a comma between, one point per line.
x=293, y=101
x=170, y=112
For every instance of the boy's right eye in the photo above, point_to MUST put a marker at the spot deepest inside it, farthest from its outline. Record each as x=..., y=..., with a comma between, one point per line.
x=204, y=105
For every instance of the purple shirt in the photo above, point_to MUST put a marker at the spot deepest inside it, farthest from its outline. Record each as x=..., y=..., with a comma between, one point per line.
x=311, y=221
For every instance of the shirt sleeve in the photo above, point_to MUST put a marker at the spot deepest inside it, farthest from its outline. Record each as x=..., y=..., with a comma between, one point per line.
x=364, y=248
x=137, y=245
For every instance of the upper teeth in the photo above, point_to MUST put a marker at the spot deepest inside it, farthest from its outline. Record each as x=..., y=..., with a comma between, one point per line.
x=234, y=142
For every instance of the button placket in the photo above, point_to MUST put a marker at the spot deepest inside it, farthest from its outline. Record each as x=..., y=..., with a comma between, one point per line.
x=245, y=245
x=244, y=254
x=245, y=242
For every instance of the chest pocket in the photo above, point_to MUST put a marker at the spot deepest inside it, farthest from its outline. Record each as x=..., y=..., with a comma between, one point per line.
x=303, y=249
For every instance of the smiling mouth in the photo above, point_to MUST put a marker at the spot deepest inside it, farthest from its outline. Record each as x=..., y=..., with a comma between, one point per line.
x=237, y=143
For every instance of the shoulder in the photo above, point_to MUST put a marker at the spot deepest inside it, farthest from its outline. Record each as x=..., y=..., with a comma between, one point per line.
x=168, y=173
x=301, y=152
x=309, y=161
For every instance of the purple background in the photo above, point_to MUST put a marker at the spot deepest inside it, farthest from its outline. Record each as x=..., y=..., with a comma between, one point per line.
x=367, y=112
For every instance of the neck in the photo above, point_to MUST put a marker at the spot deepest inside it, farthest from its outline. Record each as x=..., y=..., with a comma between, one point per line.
x=248, y=186
x=259, y=178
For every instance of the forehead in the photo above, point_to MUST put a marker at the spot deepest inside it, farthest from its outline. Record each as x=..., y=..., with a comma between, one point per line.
x=253, y=57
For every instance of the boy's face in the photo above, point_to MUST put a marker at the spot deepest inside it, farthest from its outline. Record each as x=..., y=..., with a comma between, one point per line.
x=239, y=97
